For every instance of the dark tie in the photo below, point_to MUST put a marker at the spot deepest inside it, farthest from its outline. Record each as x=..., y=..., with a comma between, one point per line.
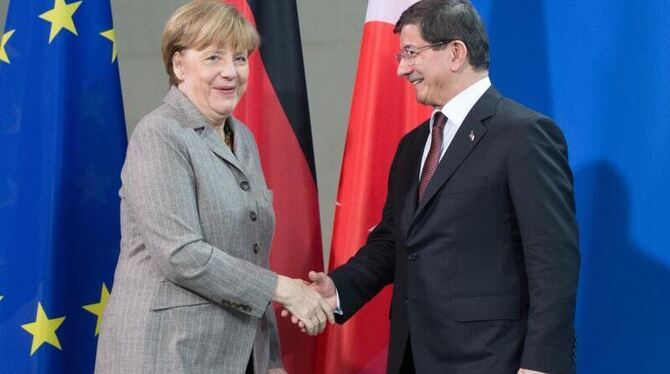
x=429, y=167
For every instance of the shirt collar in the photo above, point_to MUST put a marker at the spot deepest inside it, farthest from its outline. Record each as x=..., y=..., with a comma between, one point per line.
x=458, y=108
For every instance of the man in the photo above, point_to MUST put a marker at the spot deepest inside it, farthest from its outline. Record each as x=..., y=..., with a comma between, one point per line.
x=478, y=233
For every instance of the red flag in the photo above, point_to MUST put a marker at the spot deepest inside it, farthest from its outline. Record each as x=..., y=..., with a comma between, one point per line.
x=383, y=109
x=275, y=109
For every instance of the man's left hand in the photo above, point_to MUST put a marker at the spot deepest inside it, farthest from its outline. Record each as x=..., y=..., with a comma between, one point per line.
x=526, y=371
x=277, y=371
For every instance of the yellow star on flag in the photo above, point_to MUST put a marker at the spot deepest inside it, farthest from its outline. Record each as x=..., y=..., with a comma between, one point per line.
x=99, y=308
x=3, y=42
x=111, y=35
x=43, y=330
x=61, y=17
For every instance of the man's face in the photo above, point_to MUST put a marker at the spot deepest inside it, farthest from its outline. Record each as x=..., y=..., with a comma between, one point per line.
x=429, y=71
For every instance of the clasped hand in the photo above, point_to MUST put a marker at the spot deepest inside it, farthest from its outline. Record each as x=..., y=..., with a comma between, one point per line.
x=304, y=304
x=324, y=286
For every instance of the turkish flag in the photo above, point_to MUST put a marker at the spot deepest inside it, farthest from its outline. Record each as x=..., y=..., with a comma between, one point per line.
x=383, y=109
x=275, y=109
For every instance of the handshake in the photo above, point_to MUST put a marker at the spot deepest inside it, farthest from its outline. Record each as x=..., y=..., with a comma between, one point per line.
x=310, y=305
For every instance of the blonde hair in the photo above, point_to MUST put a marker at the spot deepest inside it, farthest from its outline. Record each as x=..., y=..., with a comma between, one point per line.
x=203, y=23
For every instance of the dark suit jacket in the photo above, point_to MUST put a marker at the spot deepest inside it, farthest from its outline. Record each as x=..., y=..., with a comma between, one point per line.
x=485, y=268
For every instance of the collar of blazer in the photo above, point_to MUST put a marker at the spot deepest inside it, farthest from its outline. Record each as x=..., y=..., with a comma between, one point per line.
x=192, y=118
x=471, y=132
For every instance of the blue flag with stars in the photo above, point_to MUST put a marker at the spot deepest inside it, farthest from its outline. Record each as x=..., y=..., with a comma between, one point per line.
x=62, y=143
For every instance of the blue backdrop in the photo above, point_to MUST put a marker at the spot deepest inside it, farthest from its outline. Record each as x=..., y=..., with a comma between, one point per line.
x=600, y=68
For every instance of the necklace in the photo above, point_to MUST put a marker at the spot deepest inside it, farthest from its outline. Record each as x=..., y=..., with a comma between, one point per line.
x=226, y=133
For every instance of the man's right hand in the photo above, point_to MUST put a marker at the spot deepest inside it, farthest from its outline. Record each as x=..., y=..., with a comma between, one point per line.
x=324, y=285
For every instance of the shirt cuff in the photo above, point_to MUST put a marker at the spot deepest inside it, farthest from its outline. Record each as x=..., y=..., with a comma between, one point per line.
x=338, y=309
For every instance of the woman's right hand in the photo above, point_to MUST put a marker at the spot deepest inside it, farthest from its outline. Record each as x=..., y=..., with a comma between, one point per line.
x=304, y=303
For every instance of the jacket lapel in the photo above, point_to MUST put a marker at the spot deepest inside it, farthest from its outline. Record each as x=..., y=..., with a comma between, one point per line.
x=471, y=132
x=242, y=145
x=195, y=120
x=411, y=174
x=216, y=145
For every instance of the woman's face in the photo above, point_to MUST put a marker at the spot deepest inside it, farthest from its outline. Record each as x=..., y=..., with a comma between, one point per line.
x=214, y=79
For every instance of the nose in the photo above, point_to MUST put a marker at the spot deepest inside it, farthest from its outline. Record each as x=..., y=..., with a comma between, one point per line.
x=404, y=69
x=228, y=70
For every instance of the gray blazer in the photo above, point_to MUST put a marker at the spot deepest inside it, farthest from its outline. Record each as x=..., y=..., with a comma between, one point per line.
x=192, y=288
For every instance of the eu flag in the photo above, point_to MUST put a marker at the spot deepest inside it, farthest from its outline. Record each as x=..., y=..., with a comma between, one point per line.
x=62, y=143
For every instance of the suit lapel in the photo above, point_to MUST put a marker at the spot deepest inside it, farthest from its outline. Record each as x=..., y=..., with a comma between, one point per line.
x=216, y=145
x=471, y=132
x=242, y=145
x=411, y=174
x=195, y=120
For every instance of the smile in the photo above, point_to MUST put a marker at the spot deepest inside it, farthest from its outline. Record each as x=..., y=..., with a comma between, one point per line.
x=414, y=79
x=226, y=90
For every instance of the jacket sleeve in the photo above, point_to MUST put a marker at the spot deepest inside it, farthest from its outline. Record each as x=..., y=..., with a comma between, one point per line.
x=270, y=318
x=541, y=188
x=159, y=185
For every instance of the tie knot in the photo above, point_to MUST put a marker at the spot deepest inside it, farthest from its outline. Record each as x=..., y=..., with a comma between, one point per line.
x=439, y=120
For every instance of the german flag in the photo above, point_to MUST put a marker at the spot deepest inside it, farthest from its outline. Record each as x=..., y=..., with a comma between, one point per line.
x=275, y=108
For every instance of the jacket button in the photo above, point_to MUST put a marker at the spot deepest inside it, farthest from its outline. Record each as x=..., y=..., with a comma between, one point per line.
x=253, y=216
x=412, y=256
x=245, y=186
x=257, y=248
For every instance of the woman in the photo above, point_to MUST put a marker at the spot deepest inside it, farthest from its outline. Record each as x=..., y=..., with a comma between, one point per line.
x=192, y=288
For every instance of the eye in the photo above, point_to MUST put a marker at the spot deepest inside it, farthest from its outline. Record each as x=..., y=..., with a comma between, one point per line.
x=213, y=58
x=240, y=59
x=407, y=53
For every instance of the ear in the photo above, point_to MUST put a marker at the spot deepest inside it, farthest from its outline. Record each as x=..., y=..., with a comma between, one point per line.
x=458, y=55
x=178, y=65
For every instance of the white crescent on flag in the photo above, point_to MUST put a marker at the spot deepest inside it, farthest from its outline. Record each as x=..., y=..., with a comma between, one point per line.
x=386, y=10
